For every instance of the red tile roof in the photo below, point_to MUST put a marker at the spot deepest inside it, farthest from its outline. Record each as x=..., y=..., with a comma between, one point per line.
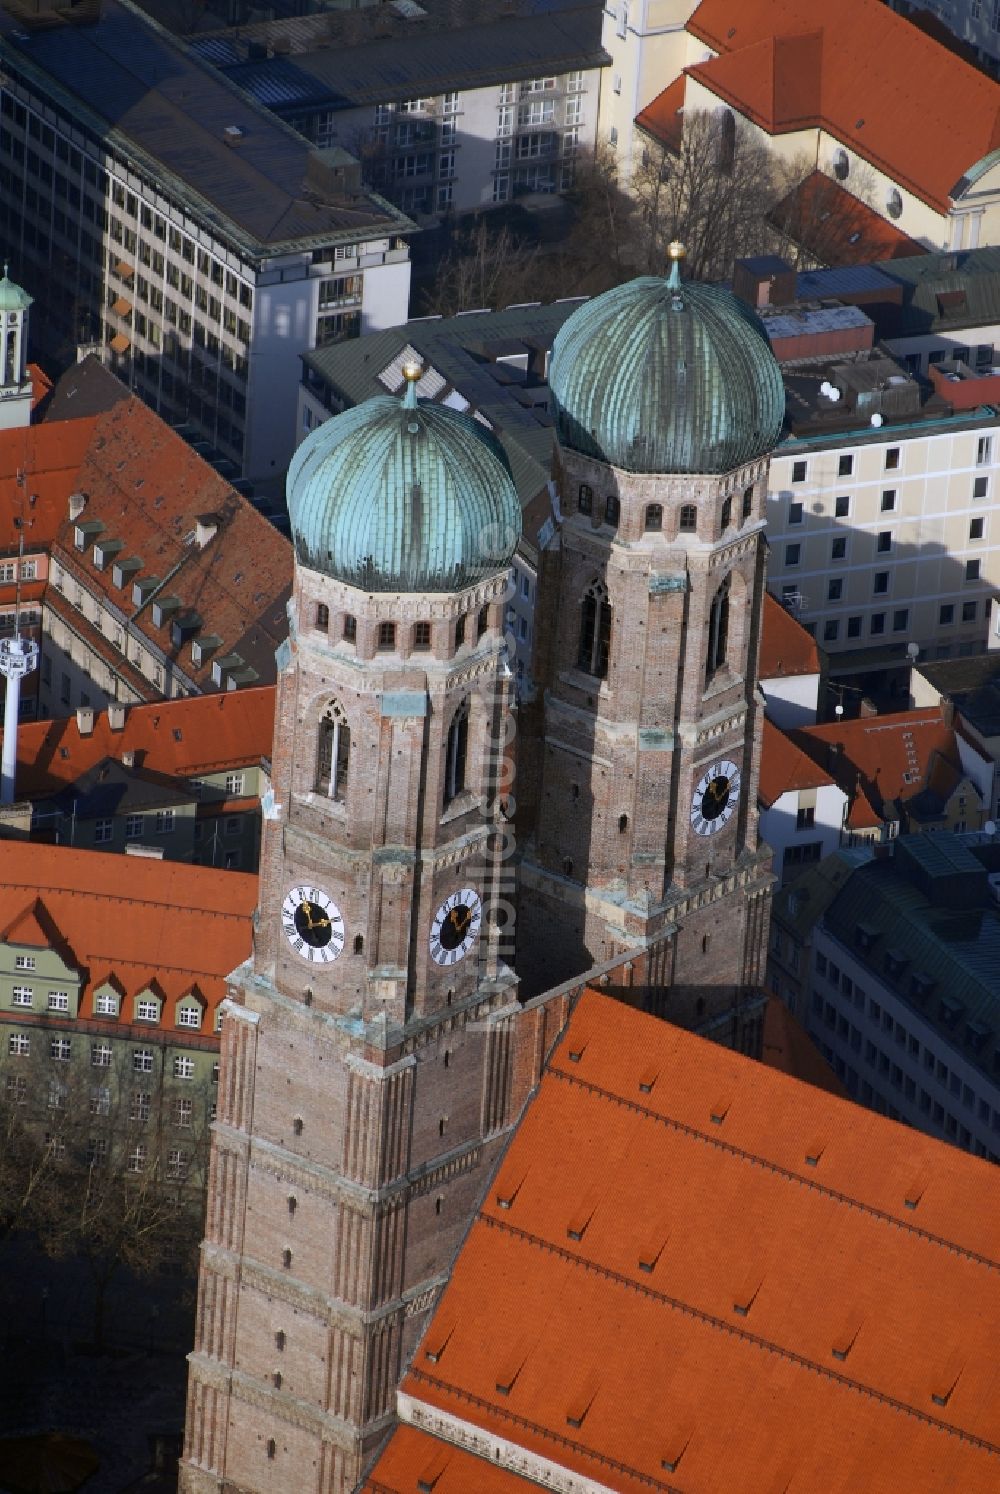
x=664, y=117
x=693, y=1271
x=880, y=759
x=173, y=738
x=825, y=218
x=784, y=67
x=136, y=919
x=785, y=646
x=790, y=1049
x=415, y=1461
x=785, y=767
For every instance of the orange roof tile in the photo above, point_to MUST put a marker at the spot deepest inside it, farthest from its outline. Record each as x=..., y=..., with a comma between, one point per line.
x=785, y=646
x=664, y=117
x=47, y=458
x=176, y=738
x=415, y=1461
x=883, y=758
x=785, y=767
x=807, y=1322
x=138, y=919
x=783, y=68
x=789, y=1048
x=822, y=216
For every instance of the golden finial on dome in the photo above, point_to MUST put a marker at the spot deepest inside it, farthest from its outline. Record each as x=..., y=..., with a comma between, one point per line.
x=412, y=373
x=677, y=252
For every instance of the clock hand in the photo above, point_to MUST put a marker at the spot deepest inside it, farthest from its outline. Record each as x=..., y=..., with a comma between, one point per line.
x=307, y=910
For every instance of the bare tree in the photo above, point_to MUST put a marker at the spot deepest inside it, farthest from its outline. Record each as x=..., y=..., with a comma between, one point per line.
x=485, y=267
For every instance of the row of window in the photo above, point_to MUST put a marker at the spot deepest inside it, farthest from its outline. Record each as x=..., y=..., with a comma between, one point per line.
x=687, y=514
x=893, y=454
x=888, y=504
x=333, y=757
x=387, y=633
x=108, y=1004
x=102, y=1055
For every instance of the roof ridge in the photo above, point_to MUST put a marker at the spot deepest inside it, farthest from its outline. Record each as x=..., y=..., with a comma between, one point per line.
x=733, y=1329
x=779, y=1168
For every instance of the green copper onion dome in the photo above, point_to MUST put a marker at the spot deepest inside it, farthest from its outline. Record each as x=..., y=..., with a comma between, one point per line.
x=666, y=376
x=12, y=296
x=393, y=495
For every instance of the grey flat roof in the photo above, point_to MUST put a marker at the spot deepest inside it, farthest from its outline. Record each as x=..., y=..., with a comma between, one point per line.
x=969, y=279
x=269, y=189
x=406, y=66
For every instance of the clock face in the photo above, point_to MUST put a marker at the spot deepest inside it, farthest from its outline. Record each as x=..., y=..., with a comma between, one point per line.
x=313, y=924
x=715, y=799
x=456, y=926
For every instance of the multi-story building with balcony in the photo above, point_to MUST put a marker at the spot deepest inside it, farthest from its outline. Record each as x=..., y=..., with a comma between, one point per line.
x=446, y=117
x=160, y=215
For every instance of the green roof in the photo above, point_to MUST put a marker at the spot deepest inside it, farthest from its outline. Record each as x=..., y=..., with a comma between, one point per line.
x=664, y=376
x=945, y=292
x=13, y=297
x=396, y=495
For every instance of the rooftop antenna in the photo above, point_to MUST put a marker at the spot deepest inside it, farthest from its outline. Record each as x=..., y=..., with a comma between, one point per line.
x=18, y=657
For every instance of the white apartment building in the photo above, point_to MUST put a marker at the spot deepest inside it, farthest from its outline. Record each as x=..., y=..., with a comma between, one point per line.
x=882, y=514
x=649, y=47
x=445, y=119
x=157, y=214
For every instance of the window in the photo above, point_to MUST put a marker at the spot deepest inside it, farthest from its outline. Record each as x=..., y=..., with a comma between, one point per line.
x=854, y=627
x=980, y=487
x=24, y=962
x=976, y=527
x=946, y=614
x=142, y=1060
x=23, y=995
x=688, y=518
x=795, y=513
x=969, y=610
x=350, y=628
x=881, y=583
x=58, y=1001
x=793, y=554
x=386, y=637
x=805, y=818
x=595, y=632
x=457, y=753
x=654, y=517
x=322, y=616
x=137, y=1158
x=59, y=1049
x=147, y=1011
x=889, y=501
x=718, y=631
x=19, y=1044
x=133, y=826
x=482, y=621
x=100, y=1055
x=585, y=501
x=877, y=623
x=164, y=821
x=184, y=1113
x=141, y=1105
x=106, y=1004
x=835, y=589
x=189, y=1016
x=421, y=637
x=612, y=510
x=883, y=542
x=984, y=447
x=727, y=514
x=183, y=1067
x=798, y=472
x=178, y=1163
x=234, y=784
x=831, y=630
x=891, y=458
x=838, y=548
x=103, y=831
x=842, y=506
x=747, y=508
x=900, y=620
x=972, y=569
x=845, y=466
x=460, y=632
x=333, y=752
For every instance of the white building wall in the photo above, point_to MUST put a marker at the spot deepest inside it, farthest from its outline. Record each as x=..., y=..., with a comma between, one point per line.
x=648, y=46
x=792, y=700
x=779, y=827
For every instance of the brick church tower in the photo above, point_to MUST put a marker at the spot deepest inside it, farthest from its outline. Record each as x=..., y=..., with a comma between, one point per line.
x=366, y=1050
x=667, y=402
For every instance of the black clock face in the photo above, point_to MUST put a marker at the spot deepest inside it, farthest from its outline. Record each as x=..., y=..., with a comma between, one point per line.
x=715, y=797
x=456, y=926
x=313, y=924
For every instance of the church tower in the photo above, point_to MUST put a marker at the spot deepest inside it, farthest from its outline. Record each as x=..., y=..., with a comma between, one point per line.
x=667, y=402
x=15, y=380
x=366, y=1056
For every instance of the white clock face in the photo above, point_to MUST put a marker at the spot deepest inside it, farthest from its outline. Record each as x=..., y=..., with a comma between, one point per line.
x=313, y=924
x=456, y=926
x=715, y=799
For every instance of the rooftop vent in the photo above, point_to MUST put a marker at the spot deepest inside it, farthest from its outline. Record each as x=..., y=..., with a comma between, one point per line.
x=510, y=1368
x=234, y=133
x=844, y=1341
x=437, y=1338
x=650, y=1253
x=675, y=1445
x=815, y=1150
x=746, y=1296
x=720, y=1110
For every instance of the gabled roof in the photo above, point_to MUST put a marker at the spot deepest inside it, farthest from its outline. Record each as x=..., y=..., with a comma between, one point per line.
x=134, y=919
x=785, y=767
x=785, y=65
x=837, y=228
x=168, y=740
x=689, y=1264
x=414, y=1461
x=785, y=646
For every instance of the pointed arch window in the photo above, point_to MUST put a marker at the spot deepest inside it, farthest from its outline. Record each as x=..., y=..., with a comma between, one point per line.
x=456, y=754
x=333, y=753
x=718, y=631
x=595, y=632
x=689, y=518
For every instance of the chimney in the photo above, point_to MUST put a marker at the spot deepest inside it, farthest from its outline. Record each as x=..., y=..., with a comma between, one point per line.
x=77, y=504
x=206, y=528
x=85, y=720
x=116, y=716
x=948, y=712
